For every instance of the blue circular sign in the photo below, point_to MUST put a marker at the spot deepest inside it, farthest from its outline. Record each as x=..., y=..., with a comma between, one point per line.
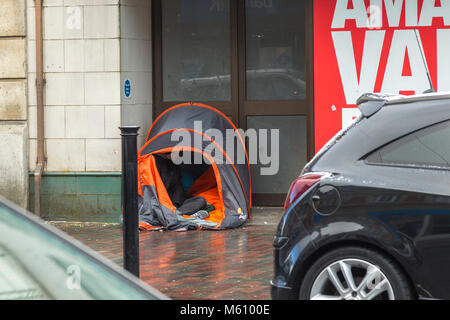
x=127, y=88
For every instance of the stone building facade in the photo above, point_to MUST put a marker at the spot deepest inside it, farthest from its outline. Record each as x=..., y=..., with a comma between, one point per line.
x=88, y=53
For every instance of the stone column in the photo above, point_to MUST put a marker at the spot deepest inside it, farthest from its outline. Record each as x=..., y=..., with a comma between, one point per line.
x=13, y=102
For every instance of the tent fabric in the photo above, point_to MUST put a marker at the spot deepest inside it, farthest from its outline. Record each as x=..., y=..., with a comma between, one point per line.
x=183, y=117
x=225, y=183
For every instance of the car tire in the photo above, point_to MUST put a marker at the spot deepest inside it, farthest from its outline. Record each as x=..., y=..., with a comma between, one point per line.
x=325, y=275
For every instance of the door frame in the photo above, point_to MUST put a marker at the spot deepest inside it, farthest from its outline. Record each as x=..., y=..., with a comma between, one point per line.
x=238, y=108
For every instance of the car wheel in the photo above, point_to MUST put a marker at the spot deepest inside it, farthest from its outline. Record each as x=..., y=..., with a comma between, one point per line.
x=355, y=273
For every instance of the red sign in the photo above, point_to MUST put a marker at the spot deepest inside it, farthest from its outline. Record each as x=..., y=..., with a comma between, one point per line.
x=363, y=46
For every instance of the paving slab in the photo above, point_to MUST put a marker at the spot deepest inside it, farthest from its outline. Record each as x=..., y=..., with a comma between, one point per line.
x=232, y=264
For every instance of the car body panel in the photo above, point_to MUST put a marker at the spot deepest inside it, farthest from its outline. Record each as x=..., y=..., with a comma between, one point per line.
x=384, y=227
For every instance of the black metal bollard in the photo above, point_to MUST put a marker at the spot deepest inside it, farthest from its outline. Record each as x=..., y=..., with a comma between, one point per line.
x=130, y=199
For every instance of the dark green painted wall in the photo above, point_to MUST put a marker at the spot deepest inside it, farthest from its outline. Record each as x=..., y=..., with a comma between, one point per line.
x=85, y=197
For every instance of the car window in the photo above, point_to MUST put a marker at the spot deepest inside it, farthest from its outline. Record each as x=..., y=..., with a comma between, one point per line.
x=428, y=147
x=37, y=264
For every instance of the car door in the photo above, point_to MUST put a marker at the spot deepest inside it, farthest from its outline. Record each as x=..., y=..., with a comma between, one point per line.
x=417, y=202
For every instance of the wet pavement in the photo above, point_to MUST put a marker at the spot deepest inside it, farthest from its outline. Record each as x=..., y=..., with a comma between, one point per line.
x=231, y=264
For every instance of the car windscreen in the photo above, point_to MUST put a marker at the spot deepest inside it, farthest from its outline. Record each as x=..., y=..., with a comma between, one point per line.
x=37, y=264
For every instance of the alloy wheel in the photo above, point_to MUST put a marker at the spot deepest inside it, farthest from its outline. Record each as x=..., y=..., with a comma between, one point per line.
x=351, y=279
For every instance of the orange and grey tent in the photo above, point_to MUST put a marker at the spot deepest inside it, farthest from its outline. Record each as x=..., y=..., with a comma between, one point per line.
x=223, y=178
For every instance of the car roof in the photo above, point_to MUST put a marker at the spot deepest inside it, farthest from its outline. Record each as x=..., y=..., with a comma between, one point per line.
x=384, y=118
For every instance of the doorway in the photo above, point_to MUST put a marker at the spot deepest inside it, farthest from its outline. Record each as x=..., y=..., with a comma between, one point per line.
x=252, y=60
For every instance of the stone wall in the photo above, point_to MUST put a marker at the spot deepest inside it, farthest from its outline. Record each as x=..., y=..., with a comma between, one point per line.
x=90, y=47
x=136, y=64
x=82, y=91
x=13, y=102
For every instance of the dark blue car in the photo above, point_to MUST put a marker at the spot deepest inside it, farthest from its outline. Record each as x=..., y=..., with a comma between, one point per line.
x=369, y=218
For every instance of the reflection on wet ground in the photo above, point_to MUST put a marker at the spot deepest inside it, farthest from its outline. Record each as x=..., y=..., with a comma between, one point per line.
x=231, y=264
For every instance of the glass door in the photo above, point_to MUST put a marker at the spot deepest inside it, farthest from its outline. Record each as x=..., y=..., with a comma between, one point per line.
x=193, y=54
x=275, y=89
x=252, y=60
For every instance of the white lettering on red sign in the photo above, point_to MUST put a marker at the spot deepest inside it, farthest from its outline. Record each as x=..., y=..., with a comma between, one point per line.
x=404, y=45
x=363, y=46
